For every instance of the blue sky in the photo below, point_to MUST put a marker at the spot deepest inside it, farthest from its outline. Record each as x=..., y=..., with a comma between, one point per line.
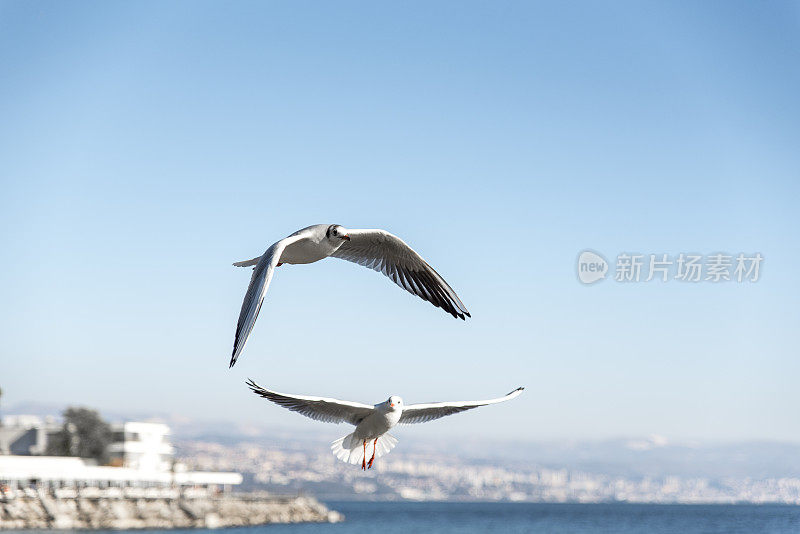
x=146, y=146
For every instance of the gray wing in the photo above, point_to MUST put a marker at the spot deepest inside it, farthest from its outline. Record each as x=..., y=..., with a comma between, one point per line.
x=386, y=253
x=421, y=413
x=318, y=408
x=259, y=283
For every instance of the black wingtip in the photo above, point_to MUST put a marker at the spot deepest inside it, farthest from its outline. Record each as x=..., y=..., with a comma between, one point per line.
x=234, y=357
x=518, y=389
x=253, y=386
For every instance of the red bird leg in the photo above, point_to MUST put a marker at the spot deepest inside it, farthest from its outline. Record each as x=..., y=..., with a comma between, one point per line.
x=374, y=445
x=364, y=459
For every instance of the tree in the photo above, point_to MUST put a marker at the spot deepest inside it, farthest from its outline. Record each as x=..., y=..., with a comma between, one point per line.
x=61, y=443
x=83, y=434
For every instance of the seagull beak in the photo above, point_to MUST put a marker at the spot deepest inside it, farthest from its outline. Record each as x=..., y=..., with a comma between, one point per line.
x=346, y=237
x=391, y=404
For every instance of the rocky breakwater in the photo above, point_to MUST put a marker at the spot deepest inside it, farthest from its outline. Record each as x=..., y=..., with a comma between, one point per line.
x=108, y=509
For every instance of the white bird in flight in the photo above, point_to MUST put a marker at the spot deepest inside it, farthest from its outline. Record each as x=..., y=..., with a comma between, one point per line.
x=372, y=422
x=376, y=249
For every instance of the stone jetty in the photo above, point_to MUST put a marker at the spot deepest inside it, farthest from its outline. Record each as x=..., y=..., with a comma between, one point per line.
x=115, y=508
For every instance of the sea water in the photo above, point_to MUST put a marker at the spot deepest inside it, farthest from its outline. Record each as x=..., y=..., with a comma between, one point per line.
x=446, y=518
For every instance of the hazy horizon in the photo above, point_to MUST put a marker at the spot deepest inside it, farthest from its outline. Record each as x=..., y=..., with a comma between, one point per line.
x=186, y=427
x=148, y=146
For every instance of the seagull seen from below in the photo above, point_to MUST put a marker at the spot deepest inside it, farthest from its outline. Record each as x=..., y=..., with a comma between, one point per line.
x=372, y=422
x=376, y=249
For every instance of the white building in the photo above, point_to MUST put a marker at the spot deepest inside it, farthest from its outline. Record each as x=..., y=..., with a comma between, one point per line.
x=141, y=456
x=25, y=434
x=143, y=446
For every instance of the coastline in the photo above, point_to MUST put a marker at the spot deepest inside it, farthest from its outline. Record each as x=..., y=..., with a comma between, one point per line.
x=115, y=510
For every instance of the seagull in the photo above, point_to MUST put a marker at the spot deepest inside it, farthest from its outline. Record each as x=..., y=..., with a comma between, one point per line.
x=372, y=422
x=376, y=249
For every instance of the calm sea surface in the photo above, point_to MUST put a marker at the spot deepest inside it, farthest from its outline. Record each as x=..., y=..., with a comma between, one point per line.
x=390, y=518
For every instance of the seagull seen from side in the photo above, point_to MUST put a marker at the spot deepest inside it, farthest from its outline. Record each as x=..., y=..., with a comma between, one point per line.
x=376, y=249
x=372, y=422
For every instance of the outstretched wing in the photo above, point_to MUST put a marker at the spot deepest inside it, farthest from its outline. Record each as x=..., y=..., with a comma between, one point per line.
x=319, y=408
x=422, y=413
x=259, y=283
x=386, y=253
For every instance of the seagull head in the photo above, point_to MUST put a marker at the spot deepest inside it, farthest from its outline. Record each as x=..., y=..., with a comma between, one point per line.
x=337, y=233
x=394, y=403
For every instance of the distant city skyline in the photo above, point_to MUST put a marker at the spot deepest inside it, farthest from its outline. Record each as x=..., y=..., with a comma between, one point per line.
x=649, y=469
x=615, y=473
x=148, y=146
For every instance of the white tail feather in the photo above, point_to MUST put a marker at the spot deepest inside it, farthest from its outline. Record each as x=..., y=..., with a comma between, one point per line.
x=351, y=450
x=247, y=263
